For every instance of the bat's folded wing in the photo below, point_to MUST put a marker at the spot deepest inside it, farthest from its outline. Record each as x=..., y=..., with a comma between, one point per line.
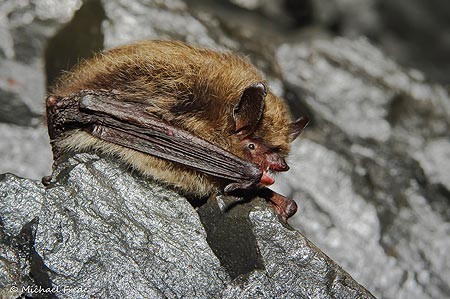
x=128, y=124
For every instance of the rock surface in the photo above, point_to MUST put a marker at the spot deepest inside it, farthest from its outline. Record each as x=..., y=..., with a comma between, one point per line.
x=372, y=167
x=99, y=231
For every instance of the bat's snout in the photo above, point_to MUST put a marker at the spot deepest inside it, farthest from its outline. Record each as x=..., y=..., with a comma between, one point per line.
x=277, y=163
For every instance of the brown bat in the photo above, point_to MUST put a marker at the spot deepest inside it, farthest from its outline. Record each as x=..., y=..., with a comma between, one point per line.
x=196, y=119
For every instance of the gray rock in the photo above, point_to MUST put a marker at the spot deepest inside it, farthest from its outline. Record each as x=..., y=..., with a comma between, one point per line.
x=25, y=151
x=351, y=84
x=371, y=176
x=353, y=18
x=25, y=28
x=414, y=32
x=344, y=98
x=106, y=233
x=134, y=20
x=424, y=44
x=435, y=161
x=19, y=259
x=294, y=267
x=100, y=231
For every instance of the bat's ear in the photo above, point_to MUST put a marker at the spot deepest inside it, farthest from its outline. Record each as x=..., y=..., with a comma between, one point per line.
x=296, y=127
x=247, y=113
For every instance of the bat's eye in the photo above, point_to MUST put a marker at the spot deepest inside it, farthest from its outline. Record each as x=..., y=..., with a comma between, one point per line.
x=251, y=146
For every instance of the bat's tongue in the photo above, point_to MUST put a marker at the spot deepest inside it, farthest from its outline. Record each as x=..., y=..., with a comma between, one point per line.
x=267, y=178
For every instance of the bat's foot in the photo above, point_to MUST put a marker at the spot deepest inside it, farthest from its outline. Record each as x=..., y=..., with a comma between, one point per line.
x=284, y=207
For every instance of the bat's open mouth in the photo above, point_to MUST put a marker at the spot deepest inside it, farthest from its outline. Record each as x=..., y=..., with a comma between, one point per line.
x=267, y=177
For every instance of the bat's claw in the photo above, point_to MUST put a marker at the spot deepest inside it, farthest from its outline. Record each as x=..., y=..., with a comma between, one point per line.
x=46, y=180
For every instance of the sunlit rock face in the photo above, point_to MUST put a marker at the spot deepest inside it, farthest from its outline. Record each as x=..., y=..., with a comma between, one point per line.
x=370, y=174
x=25, y=29
x=99, y=231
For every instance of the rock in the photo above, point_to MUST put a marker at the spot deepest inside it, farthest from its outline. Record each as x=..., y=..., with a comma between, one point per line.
x=371, y=175
x=20, y=262
x=25, y=28
x=360, y=109
x=153, y=20
x=103, y=232
x=25, y=146
x=351, y=84
x=99, y=231
x=349, y=18
x=435, y=161
x=416, y=34
x=294, y=267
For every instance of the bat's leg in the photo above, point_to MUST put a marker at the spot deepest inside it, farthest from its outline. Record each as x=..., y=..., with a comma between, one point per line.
x=283, y=206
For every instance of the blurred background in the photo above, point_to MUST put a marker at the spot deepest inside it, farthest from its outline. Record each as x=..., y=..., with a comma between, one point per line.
x=371, y=174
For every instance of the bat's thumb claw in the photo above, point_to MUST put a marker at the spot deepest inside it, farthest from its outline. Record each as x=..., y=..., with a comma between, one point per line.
x=230, y=188
x=51, y=101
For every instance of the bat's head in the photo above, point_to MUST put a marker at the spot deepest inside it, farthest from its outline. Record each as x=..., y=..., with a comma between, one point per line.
x=262, y=123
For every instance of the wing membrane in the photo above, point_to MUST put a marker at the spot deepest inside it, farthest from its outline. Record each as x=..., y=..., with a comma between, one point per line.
x=128, y=124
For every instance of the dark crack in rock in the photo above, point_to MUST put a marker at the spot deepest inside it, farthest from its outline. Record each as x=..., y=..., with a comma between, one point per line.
x=79, y=39
x=20, y=265
x=230, y=234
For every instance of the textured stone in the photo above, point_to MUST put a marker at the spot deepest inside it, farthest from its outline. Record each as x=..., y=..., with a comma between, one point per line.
x=103, y=232
x=98, y=230
x=25, y=28
x=294, y=267
x=372, y=167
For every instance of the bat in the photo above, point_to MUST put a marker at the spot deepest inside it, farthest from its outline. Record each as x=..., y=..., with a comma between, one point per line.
x=199, y=120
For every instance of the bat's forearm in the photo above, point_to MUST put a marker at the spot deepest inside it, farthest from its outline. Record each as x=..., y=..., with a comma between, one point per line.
x=110, y=118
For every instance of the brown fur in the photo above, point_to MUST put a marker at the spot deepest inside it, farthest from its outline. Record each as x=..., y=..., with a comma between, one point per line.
x=192, y=88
